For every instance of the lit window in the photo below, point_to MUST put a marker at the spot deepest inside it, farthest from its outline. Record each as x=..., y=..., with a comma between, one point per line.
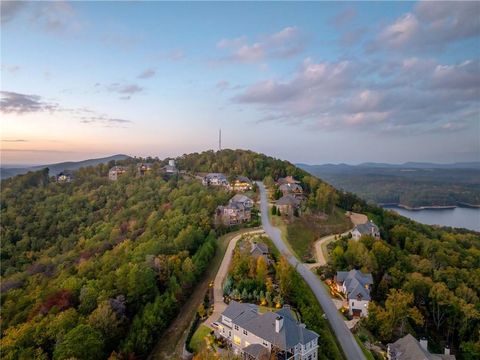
x=236, y=340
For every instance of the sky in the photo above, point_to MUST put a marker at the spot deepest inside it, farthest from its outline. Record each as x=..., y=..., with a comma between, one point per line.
x=311, y=82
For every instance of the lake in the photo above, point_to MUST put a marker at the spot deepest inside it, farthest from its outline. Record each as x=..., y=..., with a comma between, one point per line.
x=468, y=218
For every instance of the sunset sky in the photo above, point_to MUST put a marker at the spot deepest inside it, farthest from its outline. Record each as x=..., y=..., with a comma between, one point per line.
x=307, y=82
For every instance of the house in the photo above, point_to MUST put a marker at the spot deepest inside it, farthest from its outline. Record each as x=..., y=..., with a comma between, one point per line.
x=241, y=183
x=215, y=179
x=242, y=199
x=115, y=172
x=287, y=180
x=259, y=249
x=287, y=204
x=408, y=348
x=369, y=228
x=143, y=168
x=291, y=189
x=356, y=286
x=171, y=168
x=64, y=177
x=233, y=214
x=278, y=332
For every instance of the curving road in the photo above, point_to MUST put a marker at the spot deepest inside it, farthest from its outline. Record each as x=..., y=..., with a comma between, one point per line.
x=349, y=346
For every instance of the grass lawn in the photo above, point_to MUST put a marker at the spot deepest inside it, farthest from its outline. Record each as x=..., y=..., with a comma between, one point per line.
x=198, y=338
x=304, y=231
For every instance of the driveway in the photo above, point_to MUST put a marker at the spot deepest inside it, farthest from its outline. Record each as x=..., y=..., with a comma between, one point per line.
x=345, y=338
x=218, y=305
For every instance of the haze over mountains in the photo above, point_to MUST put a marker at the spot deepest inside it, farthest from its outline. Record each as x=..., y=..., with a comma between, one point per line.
x=57, y=168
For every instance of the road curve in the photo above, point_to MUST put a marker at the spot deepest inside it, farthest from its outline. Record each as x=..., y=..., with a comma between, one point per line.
x=345, y=338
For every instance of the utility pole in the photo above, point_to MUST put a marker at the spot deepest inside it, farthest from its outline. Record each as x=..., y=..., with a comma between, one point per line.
x=219, y=139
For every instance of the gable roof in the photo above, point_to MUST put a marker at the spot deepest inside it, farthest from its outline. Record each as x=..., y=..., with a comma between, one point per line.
x=288, y=180
x=263, y=325
x=288, y=200
x=243, y=179
x=290, y=187
x=118, y=168
x=367, y=229
x=261, y=248
x=239, y=198
x=408, y=348
x=355, y=282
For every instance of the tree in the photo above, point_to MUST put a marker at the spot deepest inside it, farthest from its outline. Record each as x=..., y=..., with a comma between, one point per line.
x=105, y=320
x=201, y=311
x=274, y=210
x=83, y=343
x=262, y=269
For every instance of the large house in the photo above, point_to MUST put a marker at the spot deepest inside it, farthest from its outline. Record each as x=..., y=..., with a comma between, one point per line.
x=215, y=179
x=356, y=286
x=254, y=335
x=408, y=348
x=115, y=172
x=236, y=212
x=171, y=168
x=241, y=183
x=287, y=204
x=369, y=228
x=143, y=168
x=289, y=188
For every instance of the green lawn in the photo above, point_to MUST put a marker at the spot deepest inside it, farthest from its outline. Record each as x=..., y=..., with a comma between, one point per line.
x=198, y=338
x=304, y=231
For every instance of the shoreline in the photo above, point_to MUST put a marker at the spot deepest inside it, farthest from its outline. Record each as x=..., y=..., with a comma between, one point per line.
x=429, y=207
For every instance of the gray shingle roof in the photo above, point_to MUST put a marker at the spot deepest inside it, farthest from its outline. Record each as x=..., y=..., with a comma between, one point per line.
x=256, y=350
x=408, y=348
x=288, y=200
x=239, y=198
x=243, y=179
x=263, y=325
x=367, y=228
x=259, y=248
x=355, y=282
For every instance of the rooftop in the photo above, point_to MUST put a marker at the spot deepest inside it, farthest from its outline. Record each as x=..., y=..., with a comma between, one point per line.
x=355, y=282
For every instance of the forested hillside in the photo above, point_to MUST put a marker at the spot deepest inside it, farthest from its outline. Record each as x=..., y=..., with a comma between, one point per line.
x=412, y=187
x=95, y=266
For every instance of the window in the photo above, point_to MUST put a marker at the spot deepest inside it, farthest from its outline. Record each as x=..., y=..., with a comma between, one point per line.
x=265, y=343
x=236, y=327
x=236, y=340
x=353, y=303
x=245, y=332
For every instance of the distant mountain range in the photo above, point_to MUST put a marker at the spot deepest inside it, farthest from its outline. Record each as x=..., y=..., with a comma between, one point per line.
x=411, y=184
x=57, y=168
x=407, y=165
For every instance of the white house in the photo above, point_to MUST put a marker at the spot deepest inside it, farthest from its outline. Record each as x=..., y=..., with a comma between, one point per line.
x=115, y=172
x=253, y=334
x=356, y=286
x=369, y=228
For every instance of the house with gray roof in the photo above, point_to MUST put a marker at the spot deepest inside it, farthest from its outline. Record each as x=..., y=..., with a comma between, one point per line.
x=215, y=179
x=289, y=188
x=277, y=332
x=287, y=204
x=408, y=348
x=356, y=286
x=242, y=199
x=369, y=228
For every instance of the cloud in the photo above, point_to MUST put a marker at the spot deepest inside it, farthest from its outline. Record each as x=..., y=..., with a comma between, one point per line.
x=147, y=74
x=222, y=85
x=405, y=95
x=124, y=89
x=286, y=43
x=16, y=103
x=59, y=17
x=14, y=140
x=431, y=25
x=12, y=102
x=354, y=36
x=344, y=17
x=10, y=9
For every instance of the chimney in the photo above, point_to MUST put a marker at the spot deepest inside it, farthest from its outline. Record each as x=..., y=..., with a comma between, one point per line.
x=278, y=324
x=424, y=343
x=447, y=350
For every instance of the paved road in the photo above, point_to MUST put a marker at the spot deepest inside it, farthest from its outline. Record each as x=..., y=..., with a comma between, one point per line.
x=349, y=346
x=218, y=305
